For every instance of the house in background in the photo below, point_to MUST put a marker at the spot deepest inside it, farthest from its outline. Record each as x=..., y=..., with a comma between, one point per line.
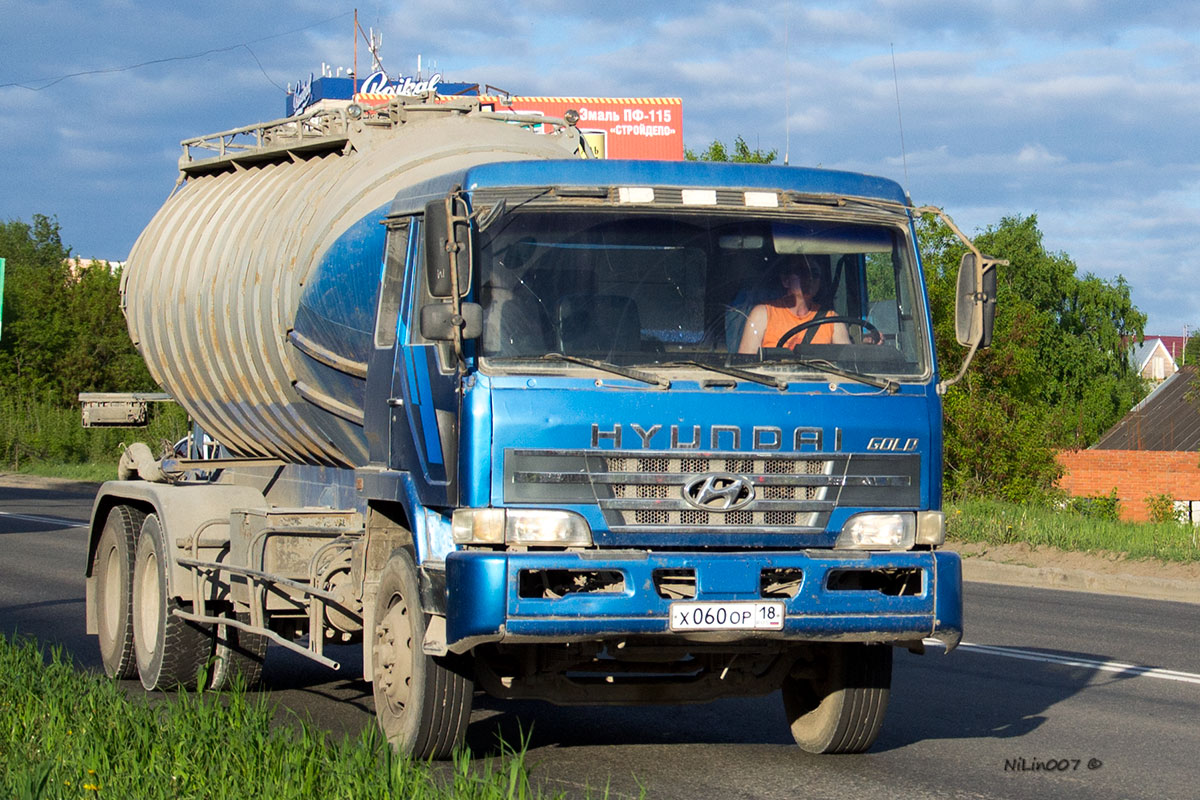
x=1153, y=359
x=77, y=266
x=1151, y=451
x=1174, y=345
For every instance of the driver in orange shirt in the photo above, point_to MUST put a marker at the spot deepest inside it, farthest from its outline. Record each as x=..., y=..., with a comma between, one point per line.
x=769, y=321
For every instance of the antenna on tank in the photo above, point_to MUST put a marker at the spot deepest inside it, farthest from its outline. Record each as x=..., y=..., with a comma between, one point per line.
x=899, y=116
x=787, y=93
x=376, y=43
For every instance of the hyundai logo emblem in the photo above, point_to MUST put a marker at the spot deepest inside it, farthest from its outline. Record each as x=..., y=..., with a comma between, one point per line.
x=718, y=491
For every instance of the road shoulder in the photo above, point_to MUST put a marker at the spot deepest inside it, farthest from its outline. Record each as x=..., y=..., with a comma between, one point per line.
x=17, y=480
x=1102, y=573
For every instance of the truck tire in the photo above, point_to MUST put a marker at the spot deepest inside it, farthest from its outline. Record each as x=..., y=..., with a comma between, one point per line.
x=237, y=657
x=112, y=568
x=169, y=651
x=422, y=703
x=841, y=709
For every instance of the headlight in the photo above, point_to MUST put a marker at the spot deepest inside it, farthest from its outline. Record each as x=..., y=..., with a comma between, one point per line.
x=896, y=531
x=525, y=526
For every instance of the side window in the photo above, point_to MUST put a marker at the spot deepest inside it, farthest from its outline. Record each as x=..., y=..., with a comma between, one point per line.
x=881, y=277
x=391, y=287
x=447, y=362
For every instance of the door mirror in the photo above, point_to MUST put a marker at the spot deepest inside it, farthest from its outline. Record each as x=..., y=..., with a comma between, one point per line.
x=447, y=245
x=439, y=321
x=975, y=307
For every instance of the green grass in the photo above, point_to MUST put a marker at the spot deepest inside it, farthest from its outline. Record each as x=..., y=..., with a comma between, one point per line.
x=66, y=734
x=91, y=472
x=996, y=522
x=41, y=438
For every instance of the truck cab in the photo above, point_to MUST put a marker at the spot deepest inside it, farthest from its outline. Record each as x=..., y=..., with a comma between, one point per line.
x=621, y=504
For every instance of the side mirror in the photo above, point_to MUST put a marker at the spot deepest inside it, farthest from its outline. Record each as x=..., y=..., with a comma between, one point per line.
x=447, y=244
x=439, y=322
x=975, y=306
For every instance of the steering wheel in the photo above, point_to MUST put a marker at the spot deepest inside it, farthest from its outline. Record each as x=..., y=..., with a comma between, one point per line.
x=812, y=323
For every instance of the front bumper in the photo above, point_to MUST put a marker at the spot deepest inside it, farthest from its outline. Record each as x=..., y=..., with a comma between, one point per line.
x=484, y=602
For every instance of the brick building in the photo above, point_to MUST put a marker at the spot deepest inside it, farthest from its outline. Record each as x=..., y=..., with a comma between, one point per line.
x=1151, y=451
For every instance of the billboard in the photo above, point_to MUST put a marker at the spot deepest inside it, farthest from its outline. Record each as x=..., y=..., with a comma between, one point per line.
x=614, y=127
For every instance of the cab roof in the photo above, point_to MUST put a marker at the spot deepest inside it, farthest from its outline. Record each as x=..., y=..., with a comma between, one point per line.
x=605, y=173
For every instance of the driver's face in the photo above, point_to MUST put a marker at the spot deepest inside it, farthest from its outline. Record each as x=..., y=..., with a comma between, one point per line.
x=800, y=279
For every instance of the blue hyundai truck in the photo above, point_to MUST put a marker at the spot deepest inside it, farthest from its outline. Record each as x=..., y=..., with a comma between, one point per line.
x=506, y=417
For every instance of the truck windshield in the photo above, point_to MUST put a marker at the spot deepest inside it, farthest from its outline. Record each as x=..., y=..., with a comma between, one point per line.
x=681, y=290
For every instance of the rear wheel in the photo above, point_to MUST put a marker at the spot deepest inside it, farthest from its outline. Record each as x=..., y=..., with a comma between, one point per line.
x=838, y=705
x=237, y=657
x=423, y=703
x=112, y=571
x=169, y=651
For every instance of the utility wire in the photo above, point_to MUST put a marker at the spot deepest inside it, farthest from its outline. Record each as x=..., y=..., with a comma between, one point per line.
x=46, y=83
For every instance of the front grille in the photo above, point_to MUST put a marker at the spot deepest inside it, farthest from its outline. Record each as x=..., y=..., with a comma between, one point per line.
x=641, y=478
x=643, y=492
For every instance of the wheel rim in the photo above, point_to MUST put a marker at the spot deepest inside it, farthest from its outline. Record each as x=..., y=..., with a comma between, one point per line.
x=110, y=591
x=148, y=605
x=393, y=656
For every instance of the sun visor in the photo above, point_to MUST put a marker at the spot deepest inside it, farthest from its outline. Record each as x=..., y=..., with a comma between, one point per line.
x=824, y=239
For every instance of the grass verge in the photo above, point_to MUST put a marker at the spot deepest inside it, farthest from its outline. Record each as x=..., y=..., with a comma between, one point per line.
x=997, y=522
x=66, y=734
x=42, y=439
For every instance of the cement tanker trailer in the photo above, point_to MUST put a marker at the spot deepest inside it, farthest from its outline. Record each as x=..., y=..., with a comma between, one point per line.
x=504, y=416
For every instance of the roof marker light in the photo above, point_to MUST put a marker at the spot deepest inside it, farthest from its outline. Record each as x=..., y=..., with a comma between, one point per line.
x=699, y=197
x=635, y=194
x=762, y=200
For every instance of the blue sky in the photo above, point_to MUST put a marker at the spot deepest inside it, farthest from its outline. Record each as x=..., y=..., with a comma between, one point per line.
x=1084, y=113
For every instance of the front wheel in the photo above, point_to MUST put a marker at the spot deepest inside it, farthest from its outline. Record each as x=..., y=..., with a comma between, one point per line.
x=422, y=703
x=837, y=702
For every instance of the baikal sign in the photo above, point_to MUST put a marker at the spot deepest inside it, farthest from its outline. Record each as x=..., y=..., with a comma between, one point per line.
x=310, y=90
x=378, y=83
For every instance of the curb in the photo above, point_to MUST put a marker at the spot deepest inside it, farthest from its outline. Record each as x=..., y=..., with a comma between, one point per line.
x=1075, y=580
x=20, y=480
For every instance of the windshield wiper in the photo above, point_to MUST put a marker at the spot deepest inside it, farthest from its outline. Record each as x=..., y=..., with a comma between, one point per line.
x=616, y=369
x=734, y=372
x=889, y=386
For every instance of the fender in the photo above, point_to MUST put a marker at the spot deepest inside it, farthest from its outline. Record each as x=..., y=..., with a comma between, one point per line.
x=182, y=510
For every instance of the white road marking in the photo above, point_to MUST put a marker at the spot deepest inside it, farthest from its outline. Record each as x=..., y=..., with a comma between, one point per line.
x=65, y=523
x=1118, y=667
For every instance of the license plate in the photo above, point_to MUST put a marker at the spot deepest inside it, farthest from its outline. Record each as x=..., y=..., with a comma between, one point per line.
x=727, y=616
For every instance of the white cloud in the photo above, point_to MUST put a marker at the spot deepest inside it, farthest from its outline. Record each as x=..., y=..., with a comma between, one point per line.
x=1082, y=111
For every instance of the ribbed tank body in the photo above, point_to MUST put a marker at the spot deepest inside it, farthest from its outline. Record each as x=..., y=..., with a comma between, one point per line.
x=213, y=285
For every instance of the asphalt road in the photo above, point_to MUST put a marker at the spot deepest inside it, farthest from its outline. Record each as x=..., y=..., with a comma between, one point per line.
x=1059, y=694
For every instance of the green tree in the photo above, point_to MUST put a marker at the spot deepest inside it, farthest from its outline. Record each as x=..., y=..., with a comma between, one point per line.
x=1191, y=350
x=1057, y=374
x=63, y=333
x=742, y=154
x=98, y=355
x=35, y=318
